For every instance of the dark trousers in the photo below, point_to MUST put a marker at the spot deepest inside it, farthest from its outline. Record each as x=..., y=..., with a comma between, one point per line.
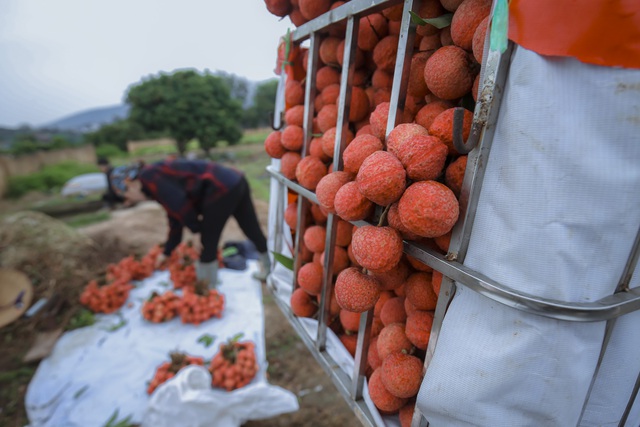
x=236, y=202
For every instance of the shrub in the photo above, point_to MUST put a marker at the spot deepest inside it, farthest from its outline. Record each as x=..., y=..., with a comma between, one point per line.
x=47, y=179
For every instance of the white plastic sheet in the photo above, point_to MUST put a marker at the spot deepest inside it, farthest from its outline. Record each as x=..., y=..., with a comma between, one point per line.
x=557, y=216
x=93, y=371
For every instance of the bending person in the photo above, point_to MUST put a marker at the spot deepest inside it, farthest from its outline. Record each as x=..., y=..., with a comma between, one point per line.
x=200, y=195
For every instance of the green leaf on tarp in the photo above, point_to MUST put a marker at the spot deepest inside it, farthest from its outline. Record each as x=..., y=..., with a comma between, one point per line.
x=229, y=251
x=207, y=340
x=284, y=260
x=440, y=22
x=236, y=337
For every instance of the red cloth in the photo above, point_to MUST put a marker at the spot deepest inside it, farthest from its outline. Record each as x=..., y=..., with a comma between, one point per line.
x=601, y=32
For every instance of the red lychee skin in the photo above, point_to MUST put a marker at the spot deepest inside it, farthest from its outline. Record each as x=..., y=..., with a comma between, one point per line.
x=319, y=214
x=330, y=94
x=326, y=76
x=478, y=39
x=311, y=9
x=419, y=291
x=384, y=297
x=381, y=397
x=466, y=19
x=310, y=278
x=394, y=222
x=315, y=150
x=445, y=36
x=401, y=374
x=372, y=354
x=429, y=9
x=315, y=237
x=423, y=158
x=356, y=291
x=359, y=58
x=294, y=93
x=404, y=134
x=350, y=342
x=372, y=28
x=442, y=128
x=428, y=209
x=289, y=163
x=359, y=149
x=279, y=8
x=381, y=79
x=310, y=171
x=349, y=320
x=344, y=231
x=385, y=52
x=427, y=114
x=329, y=141
x=418, y=328
x=294, y=115
x=393, y=311
x=454, y=176
x=393, y=339
x=301, y=304
x=448, y=73
x=292, y=138
x=327, y=117
x=382, y=178
x=328, y=186
x=416, y=85
x=328, y=50
x=359, y=106
x=273, y=145
x=377, y=248
x=378, y=120
x=291, y=215
x=394, y=278
x=350, y=204
x=340, y=259
x=406, y=414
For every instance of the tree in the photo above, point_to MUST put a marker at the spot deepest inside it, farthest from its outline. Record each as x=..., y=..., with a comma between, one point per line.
x=116, y=133
x=260, y=112
x=187, y=105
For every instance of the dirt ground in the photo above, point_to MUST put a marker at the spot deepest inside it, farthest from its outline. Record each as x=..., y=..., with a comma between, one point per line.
x=291, y=365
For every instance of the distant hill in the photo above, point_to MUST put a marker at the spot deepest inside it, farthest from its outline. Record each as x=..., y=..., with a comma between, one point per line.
x=89, y=120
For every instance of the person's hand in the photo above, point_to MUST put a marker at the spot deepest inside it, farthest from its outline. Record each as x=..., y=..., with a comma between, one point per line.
x=160, y=260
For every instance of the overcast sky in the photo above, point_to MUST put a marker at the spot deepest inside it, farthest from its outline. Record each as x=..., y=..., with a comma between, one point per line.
x=58, y=57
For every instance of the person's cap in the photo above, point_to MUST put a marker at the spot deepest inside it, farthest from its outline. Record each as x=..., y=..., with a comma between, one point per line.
x=119, y=176
x=16, y=293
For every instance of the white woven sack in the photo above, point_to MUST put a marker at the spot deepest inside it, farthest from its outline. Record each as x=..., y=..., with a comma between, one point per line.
x=558, y=213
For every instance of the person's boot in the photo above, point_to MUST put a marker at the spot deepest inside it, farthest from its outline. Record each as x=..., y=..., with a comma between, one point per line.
x=265, y=267
x=207, y=272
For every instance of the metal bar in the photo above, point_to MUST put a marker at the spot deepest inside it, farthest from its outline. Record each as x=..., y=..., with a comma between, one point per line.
x=606, y=308
x=630, y=267
x=339, y=378
x=327, y=282
x=403, y=65
x=310, y=92
x=354, y=7
x=632, y=399
x=360, y=359
x=307, y=194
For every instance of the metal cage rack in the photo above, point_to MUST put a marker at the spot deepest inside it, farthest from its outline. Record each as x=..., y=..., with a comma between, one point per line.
x=494, y=73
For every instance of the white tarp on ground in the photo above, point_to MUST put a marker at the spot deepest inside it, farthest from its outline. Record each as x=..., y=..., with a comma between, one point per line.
x=93, y=371
x=557, y=216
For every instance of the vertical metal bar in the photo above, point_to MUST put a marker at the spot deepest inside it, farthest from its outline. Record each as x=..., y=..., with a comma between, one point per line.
x=632, y=399
x=403, y=65
x=630, y=267
x=362, y=350
x=496, y=70
x=344, y=101
x=279, y=229
x=309, y=96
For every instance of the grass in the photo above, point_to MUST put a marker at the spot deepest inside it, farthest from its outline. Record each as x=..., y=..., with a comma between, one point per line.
x=12, y=389
x=82, y=220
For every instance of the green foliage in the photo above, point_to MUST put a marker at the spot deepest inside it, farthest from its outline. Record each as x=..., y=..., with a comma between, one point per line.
x=82, y=220
x=81, y=319
x=113, y=421
x=259, y=113
x=59, y=142
x=49, y=178
x=116, y=133
x=187, y=105
x=109, y=151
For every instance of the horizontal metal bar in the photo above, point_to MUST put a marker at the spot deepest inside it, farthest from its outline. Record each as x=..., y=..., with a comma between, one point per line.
x=310, y=195
x=604, y=309
x=354, y=7
x=339, y=378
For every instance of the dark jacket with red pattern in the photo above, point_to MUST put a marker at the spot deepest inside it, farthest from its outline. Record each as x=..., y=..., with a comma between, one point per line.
x=183, y=187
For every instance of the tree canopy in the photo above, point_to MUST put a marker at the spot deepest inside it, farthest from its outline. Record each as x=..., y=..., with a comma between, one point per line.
x=187, y=105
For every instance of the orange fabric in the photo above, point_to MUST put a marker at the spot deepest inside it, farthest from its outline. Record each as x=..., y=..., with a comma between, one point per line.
x=601, y=32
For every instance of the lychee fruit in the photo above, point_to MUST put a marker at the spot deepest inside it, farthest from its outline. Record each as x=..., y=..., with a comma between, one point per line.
x=419, y=291
x=310, y=171
x=393, y=311
x=378, y=249
x=294, y=116
x=385, y=52
x=381, y=397
x=427, y=114
x=328, y=186
x=293, y=93
x=315, y=237
x=349, y=320
x=350, y=204
x=381, y=178
x=311, y=9
x=359, y=149
x=372, y=28
x=329, y=140
x=292, y=138
x=466, y=20
x=273, y=145
x=403, y=134
x=393, y=339
x=378, y=120
x=356, y=291
x=310, y=278
x=326, y=76
x=289, y=163
x=418, y=328
x=301, y=304
x=401, y=374
x=423, y=158
x=428, y=209
x=442, y=128
x=454, y=175
x=448, y=73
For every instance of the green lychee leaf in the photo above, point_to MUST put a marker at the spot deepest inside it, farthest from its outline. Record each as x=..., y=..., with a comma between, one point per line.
x=284, y=260
x=440, y=22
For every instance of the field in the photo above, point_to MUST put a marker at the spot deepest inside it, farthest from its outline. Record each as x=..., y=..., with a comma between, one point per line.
x=124, y=231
